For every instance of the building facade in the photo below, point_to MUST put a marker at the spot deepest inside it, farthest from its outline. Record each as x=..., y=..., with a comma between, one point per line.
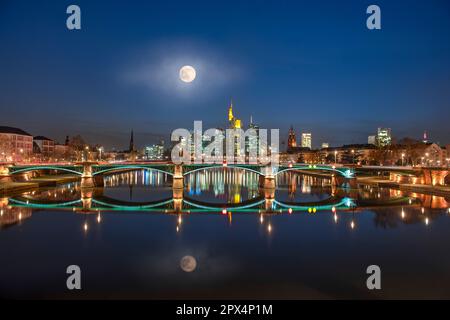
x=154, y=152
x=15, y=144
x=45, y=145
x=306, y=140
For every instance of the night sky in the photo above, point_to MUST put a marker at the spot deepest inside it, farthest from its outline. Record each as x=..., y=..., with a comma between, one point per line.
x=312, y=64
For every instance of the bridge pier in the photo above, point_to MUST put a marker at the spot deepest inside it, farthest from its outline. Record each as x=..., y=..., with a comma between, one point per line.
x=399, y=178
x=5, y=175
x=339, y=181
x=4, y=201
x=432, y=202
x=267, y=188
x=178, y=188
x=177, y=196
x=268, y=205
x=346, y=193
x=178, y=179
x=435, y=176
x=88, y=180
x=86, y=198
x=267, y=182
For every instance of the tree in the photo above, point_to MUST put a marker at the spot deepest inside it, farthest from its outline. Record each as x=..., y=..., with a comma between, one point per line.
x=380, y=155
x=76, y=147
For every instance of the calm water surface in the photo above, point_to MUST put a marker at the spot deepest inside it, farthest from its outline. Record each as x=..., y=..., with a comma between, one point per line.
x=310, y=241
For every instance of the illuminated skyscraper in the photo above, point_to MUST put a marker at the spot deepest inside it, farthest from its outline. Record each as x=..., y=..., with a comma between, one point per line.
x=235, y=123
x=154, y=152
x=384, y=137
x=306, y=140
x=252, y=142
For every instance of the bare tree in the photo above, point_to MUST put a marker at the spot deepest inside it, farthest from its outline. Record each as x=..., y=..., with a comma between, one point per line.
x=76, y=147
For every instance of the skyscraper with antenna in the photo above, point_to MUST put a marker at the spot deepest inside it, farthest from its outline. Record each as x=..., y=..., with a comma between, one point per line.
x=425, y=137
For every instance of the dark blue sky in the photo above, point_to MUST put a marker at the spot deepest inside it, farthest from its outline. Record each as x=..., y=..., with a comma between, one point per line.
x=312, y=64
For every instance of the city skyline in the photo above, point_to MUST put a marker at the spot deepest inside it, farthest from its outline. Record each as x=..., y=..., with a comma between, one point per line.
x=318, y=59
x=305, y=138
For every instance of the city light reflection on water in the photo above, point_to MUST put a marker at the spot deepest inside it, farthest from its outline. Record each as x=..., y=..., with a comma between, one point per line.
x=224, y=185
x=288, y=247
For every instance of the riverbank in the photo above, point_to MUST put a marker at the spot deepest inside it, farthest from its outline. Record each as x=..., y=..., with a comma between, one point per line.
x=35, y=183
x=379, y=182
x=419, y=188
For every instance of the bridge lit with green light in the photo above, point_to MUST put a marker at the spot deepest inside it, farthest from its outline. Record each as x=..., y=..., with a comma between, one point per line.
x=189, y=205
x=168, y=168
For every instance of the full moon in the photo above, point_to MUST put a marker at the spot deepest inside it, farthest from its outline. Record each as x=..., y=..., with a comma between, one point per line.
x=187, y=74
x=188, y=263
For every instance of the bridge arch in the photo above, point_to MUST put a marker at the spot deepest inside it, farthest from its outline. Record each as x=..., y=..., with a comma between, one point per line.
x=447, y=180
x=247, y=204
x=327, y=204
x=345, y=172
x=38, y=168
x=126, y=205
x=219, y=166
x=23, y=202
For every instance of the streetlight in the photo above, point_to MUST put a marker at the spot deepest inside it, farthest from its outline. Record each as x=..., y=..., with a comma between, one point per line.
x=353, y=154
x=335, y=156
x=426, y=158
x=403, y=156
x=100, y=151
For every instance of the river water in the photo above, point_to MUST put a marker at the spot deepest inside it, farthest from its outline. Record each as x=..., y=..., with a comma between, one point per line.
x=223, y=237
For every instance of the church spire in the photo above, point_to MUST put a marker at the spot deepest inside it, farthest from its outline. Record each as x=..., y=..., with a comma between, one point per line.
x=292, y=140
x=132, y=142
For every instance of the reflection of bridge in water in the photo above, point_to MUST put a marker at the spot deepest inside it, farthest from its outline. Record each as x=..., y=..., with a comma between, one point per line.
x=93, y=200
